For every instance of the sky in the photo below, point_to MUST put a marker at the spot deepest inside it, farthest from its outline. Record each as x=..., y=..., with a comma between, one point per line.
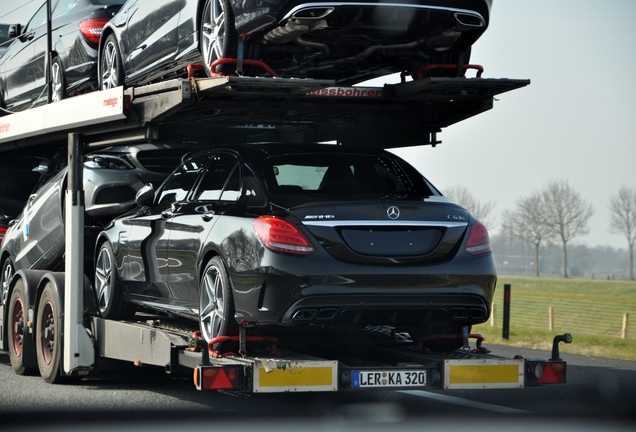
x=576, y=121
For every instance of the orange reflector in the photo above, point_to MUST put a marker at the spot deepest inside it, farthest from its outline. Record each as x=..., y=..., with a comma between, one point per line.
x=218, y=378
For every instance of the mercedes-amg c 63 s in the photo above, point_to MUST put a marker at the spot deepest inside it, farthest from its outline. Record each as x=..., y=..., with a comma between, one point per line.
x=313, y=234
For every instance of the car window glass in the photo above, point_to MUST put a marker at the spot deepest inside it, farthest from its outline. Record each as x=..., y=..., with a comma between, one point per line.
x=39, y=19
x=63, y=6
x=221, y=179
x=182, y=180
x=348, y=174
x=232, y=189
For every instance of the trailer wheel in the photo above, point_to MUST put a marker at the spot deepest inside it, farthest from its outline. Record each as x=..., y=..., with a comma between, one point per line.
x=21, y=344
x=49, y=327
x=217, y=36
x=111, y=69
x=108, y=289
x=216, y=305
x=58, y=81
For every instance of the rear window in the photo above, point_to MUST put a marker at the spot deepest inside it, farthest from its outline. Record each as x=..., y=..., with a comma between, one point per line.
x=345, y=175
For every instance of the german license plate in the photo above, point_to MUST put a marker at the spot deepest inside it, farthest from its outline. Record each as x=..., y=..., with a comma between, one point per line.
x=388, y=379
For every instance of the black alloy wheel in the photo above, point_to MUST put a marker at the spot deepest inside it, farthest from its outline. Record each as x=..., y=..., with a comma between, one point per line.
x=108, y=289
x=216, y=305
x=8, y=270
x=217, y=36
x=111, y=69
x=58, y=81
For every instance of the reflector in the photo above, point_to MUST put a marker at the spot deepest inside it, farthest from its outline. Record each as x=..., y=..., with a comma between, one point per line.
x=218, y=378
x=541, y=372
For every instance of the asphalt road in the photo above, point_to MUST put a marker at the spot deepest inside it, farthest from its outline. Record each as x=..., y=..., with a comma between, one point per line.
x=600, y=393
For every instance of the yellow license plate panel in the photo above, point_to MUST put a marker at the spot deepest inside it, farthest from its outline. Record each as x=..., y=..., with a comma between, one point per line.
x=481, y=374
x=277, y=376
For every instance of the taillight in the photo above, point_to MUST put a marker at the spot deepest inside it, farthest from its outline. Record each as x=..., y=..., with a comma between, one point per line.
x=478, y=240
x=218, y=377
x=280, y=235
x=3, y=231
x=91, y=29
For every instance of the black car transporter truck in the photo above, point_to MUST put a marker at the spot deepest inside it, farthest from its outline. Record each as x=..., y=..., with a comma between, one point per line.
x=53, y=326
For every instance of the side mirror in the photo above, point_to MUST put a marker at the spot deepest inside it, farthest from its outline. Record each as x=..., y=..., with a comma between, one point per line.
x=145, y=195
x=47, y=167
x=15, y=30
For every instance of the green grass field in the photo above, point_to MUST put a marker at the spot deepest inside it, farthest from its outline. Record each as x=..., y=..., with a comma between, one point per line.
x=593, y=311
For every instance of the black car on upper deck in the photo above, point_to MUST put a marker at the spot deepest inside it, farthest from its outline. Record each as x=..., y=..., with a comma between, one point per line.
x=76, y=27
x=349, y=41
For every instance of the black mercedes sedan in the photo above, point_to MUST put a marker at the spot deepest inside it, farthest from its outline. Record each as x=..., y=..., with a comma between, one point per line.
x=76, y=27
x=348, y=41
x=310, y=234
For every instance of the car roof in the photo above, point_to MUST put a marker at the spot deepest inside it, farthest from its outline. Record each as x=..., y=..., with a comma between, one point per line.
x=265, y=150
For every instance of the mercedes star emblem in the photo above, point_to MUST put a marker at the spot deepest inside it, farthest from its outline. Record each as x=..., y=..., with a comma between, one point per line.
x=393, y=212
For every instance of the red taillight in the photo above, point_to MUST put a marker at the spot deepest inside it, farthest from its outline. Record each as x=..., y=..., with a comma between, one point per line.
x=3, y=231
x=540, y=372
x=218, y=378
x=91, y=29
x=478, y=240
x=280, y=235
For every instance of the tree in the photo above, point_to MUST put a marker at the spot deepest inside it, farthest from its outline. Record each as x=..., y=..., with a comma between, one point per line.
x=566, y=214
x=527, y=223
x=623, y=220
x=482, y=211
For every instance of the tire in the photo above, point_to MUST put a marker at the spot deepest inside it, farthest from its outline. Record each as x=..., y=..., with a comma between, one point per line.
x=22, y=351
x=111, y=69
x=216, y=305
x=48, y=334
x=8, y=270
x=108, y=288
x=217, y=35
x=58, y=81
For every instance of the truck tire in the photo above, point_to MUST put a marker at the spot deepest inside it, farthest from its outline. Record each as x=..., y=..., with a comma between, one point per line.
x=22, y=350
x=49, y=327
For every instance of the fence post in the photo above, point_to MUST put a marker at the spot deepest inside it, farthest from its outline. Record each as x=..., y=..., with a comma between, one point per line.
x=492, y=315
x=550, y=318
x=625, y=324
x=505, y=332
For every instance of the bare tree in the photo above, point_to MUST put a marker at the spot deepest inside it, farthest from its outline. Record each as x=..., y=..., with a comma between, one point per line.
x=623, y=220
x=481, y=210
x=527, y=223
x=566, y=214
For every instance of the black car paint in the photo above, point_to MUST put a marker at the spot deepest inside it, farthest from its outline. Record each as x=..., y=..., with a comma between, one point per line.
x=161, y=249
x=22, y=66
x=159, y=38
